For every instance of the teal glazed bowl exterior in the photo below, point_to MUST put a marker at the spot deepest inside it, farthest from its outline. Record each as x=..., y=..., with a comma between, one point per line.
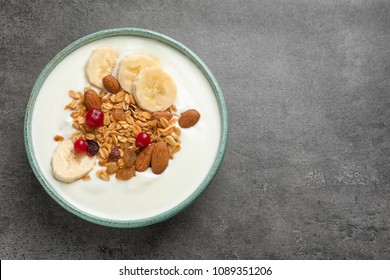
x=138, y=33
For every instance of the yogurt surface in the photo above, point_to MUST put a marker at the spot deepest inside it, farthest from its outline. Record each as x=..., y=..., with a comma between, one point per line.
x=147, y=194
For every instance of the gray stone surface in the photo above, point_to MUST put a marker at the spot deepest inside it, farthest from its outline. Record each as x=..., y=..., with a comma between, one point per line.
x=306, y=172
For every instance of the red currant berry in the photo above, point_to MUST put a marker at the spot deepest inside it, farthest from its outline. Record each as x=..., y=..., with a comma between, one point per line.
x=142, y=139
x=80, y=146
x=94, y=117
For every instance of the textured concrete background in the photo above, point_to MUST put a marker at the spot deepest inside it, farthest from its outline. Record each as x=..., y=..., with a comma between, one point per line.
x=306, y=172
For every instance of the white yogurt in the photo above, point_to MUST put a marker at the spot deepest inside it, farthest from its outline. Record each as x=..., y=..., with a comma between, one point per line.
x=147, y=194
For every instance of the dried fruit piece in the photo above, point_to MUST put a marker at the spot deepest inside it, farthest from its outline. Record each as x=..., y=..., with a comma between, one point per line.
x=67, y=166
x=92, y=147
x=125, y=173
x=92, y=99
x=111, y=168
x=143, y=160
x=142, y=139
x=58, y=138
x=154, y=89
x=119, y=115
x=162, y=114
x=111, y=84
x=160, y=157
x=130, y=66
x=80, y=146
x=94, y=117
x=101, y=63
x=129, y=158
x=189, y=118
x=114, y=154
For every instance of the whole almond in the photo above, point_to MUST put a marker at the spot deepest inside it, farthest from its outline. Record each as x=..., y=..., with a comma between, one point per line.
x=160, y=157
x=111, y=84
x=92, y=99
x=143, y=160
x=189, y=118
x=161, y=114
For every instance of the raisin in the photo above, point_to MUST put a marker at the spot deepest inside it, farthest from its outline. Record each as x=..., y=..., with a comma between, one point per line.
x=129, y=157
x=92, y=147
x=125, y=173
x=111, y=168
x=119, y=115
x=114, y=154
x=58, y=138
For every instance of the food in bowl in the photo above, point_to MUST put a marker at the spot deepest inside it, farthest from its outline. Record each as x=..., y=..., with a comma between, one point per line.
x=131, y=124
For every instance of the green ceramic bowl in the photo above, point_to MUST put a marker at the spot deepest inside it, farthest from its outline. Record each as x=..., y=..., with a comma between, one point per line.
x=134, y=32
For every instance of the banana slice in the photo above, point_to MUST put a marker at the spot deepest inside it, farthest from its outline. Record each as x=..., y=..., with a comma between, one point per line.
x=100, y=64
x=154, y=90
x=130, y=66
x=67, y=166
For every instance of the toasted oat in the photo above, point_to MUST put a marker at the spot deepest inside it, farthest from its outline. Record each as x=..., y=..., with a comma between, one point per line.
x=90, y=136
x=101, y=174
x=75, y=95
x=169, y=139
x=72, y=105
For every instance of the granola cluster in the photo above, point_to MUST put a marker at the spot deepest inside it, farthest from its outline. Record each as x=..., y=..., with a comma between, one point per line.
x=123, y=121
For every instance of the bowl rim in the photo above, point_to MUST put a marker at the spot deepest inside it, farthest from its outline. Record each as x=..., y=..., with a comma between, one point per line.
x=137, y=32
